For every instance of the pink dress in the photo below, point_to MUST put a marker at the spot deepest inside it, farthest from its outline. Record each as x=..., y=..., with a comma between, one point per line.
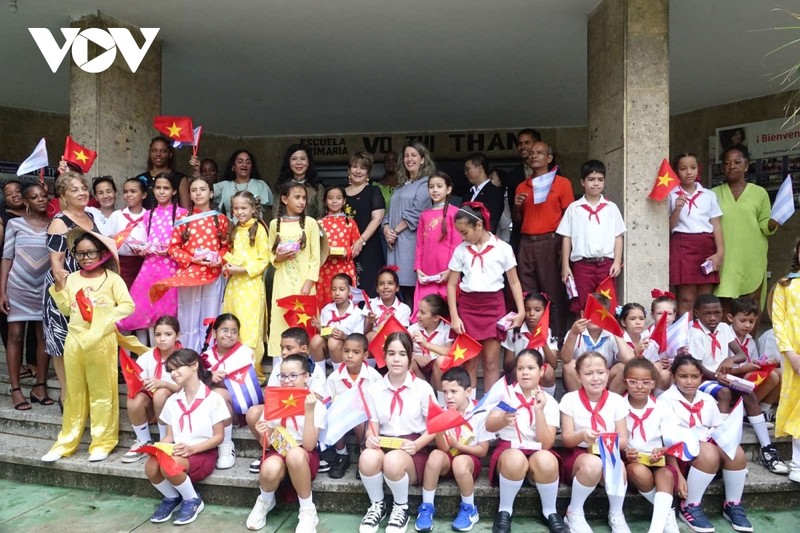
x=155, y=268
x=432, y=254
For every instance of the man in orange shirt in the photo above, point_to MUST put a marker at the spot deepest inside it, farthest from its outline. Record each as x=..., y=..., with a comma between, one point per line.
x=539, y=255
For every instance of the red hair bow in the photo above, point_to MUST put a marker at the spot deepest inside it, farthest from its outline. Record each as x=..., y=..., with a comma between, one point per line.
x=658, y=293
x=392, y=268
x=478, y=206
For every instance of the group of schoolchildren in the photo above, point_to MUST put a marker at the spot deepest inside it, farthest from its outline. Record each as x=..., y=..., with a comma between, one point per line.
x=619, y=385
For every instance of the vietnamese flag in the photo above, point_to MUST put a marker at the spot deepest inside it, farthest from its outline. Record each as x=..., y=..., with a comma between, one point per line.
x=464, y=348
x=175, y=128
x=445, y=420
x=391, y=325
x=79, y=155
x=758, y=376
x=132, y=373
x=169, y=466
x=538, y=338
x=434, y=408
x=659, y=333
x=283, y=402
x=300, y=303
x=608, y=289
x=85, y=306
x=600, y=316
x=299, y=319
x=666, y=180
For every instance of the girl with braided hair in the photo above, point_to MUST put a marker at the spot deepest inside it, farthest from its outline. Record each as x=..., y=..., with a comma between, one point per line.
x=344, y=241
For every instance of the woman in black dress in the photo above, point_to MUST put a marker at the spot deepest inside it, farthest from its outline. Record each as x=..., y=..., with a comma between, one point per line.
x=366, y=205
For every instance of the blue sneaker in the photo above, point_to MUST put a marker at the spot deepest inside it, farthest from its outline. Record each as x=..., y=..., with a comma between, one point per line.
x=466, y=518
x=425, y=513
x=734, y=513
x=189, y=511
x=165, y=510
x=694, y=517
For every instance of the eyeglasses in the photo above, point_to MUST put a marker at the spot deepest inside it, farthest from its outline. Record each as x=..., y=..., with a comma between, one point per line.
x=291, y=378
x=226, y=331
x=634, y=383
x=90, y=254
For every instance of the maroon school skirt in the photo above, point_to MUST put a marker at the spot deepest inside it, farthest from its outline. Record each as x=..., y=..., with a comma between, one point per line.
x=286, y=489
x=503, y=445
x=687, y=251
x=480, y=311
x=419, y=459
x=568, y=458
x=129, y=266
x=202, y=464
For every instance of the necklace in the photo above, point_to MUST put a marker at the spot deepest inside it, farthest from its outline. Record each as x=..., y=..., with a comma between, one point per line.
x=237, y=189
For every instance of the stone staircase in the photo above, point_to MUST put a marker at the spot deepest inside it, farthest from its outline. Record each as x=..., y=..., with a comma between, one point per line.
x=27, y=435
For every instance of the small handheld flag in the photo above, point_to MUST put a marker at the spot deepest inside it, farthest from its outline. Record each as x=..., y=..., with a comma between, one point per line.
x=283, y=402
x=608, y=288
x=542, y=185
x=244, y=389
x=168, y=465
x=79, y=155
x=608, y=444
x=538, y=337
x=659, y=334
x=85, y=306
x=175, y=128
x=678, y=335
x=195, y=140
x=602, y=317
x=445, y=420
x=392, y=325
x=345, y=412
x=463, y=349
x=728, y=435
x=35, y=161
x=783, y=208
x=666, y=180
x=758, y=376
x=132, y=373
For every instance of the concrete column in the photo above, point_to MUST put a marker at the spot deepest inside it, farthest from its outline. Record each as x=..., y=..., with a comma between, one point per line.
x=628, y=97
x=112, y=112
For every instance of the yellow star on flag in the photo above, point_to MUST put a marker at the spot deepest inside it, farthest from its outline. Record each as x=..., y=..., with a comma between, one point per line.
x=290, y=401
x=603, y=313
x=303, y=318
x=298, y=305
x=174, y=130
x=759, y=379
x=664, y=180
x=606, y=293
x=459, y=353
x=81, y=156
x=128, y=369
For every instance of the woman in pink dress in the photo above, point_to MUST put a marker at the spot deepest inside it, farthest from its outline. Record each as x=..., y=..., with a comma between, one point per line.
x=437, y=237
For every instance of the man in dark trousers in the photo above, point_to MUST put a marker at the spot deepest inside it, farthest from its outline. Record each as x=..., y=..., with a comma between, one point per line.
x=525, y=139
x=476, y=168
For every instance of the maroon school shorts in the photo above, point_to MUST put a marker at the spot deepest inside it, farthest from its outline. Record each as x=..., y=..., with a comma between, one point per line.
x=202, y=464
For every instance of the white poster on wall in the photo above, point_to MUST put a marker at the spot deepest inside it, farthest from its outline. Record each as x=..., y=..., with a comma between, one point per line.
x=768, y=138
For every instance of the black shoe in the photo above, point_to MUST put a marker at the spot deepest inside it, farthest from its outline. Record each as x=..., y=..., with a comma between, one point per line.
x=556, y=524
x=339, y=466
x=502, y=523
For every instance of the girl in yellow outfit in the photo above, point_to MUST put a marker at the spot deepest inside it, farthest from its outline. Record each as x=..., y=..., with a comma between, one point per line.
x=93, y=299
x=245, y=295
x=786, y=323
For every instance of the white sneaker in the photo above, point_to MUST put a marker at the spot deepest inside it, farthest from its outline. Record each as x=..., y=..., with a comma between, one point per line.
x=258, y=516
x=226, y=456
x=672, y=524
x=97, y=456
x=132, y=456
x=794, y=471
x=52, y=457
x=577, y=522
x=307, y=520
x=617, y=523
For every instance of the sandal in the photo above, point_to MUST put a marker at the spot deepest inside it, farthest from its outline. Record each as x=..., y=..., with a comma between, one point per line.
x=46, y=400
x=26, y=373
x=24, y=405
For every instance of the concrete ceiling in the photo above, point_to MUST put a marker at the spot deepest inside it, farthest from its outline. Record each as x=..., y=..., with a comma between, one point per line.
x=275, y=67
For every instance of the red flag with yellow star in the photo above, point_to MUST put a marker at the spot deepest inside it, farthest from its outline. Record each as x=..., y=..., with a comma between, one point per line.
x=132, y=373
x=283, y=402
x=303, y=303
x=608, y=289
x=602, y=317
x=391, y=325
x=299, y=319
x=659, y=333
x=175, y=128
x=85, y=306
x=463, y=349
x=79, y=155
x=665, y=182
x=759, y=376
x=538, y=336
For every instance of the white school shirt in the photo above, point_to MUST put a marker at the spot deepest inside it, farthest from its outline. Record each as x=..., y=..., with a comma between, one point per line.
x=517, y=339
x=615, y=408
x=199, y=425
x=120, y=219
x=477, y=423
x=237, y=357
x=441, y=336
x=749, y=348
x=591, y=239
x=696, y=216
x=768, y=346
x=702, y=349
x=339, y=381
x=485, y=275
x=351, y=321
x=526, y=419
x=405, y=420
x=606, y=345
x=401, y=311
x=150, y=365
x=316, y=383
x=295, y=425
x=655, y=423
x=708, y=418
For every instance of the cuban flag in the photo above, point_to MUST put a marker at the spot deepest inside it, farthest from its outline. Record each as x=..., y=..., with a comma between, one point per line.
x=783, y=208
x=345, y=412
x=541, y=186
x=244, y=389
x=728, y=435
x=195, y=136
x=678, y=335
x=612, y=464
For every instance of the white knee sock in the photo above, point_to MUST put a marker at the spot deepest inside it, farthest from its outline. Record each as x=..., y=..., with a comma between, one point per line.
x=649, y=496
x=166, y=488
x=227, y=434
x=508, y=493
x=697, y=483
x=268, y=497
x=428, y=496
x=186, y=489
x=548, y=493
x=373, y=486
x=765, y=406
x=469, y=500
x=579, y=494
x=796, y=451
x=662, y=506
x=142, y=433
x=306, y=502
x=162, y=431
x=734, y=484
x=615, y=504
x=399, y=489
x=760, y=427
